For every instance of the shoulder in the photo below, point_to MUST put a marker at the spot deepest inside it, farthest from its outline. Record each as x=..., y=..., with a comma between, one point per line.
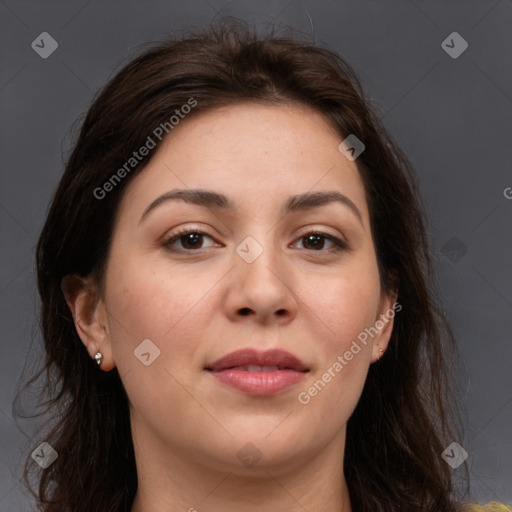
x=492, y=506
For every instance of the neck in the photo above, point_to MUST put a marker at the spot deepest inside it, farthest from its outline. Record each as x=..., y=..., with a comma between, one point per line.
x=177, y=483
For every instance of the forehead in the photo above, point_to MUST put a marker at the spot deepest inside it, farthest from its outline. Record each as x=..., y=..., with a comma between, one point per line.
x=257, y=154
x=259, y=132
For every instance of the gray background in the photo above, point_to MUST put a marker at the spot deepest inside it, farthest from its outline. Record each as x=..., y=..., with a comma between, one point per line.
x=453, y=118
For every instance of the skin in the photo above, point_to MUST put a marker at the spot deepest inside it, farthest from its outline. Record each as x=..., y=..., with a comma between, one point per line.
x=199, y=305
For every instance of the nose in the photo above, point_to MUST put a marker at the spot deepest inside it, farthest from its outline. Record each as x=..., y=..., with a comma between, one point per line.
x=261, y=284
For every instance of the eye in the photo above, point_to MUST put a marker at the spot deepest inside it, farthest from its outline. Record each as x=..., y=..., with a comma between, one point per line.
x=315, y=239
x=189, y=238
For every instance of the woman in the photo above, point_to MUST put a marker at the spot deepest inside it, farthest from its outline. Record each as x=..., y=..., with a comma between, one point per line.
x=236, y=306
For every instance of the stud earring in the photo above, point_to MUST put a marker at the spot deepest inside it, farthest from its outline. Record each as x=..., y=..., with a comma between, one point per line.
x=99, y=358
x=381, y=350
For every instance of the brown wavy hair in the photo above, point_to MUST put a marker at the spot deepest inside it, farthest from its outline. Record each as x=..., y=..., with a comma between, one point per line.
x=406, y=415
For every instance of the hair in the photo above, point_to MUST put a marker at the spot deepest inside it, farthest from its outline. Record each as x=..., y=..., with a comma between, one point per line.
x=405, y=416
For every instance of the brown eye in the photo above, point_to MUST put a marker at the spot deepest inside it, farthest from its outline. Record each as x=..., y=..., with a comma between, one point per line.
x=190, y=240
x=315, y=241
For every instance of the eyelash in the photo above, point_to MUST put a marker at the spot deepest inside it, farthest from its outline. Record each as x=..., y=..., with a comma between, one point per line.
x=339, y=245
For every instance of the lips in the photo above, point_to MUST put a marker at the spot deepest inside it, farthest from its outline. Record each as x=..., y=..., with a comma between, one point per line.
x=258, y=373
x=252, y=360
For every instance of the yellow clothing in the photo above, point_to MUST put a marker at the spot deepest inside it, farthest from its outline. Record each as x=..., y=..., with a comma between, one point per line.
x=492, y=506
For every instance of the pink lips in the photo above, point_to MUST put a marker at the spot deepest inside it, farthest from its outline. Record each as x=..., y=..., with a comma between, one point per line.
x=259, y=373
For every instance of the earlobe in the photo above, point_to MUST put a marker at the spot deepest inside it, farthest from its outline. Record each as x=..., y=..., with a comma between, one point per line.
x=89, y=317
x=384, y=323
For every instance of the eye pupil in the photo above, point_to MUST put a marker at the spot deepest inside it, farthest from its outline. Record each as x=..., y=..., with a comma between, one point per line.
x=191, y=238
x=316, y=243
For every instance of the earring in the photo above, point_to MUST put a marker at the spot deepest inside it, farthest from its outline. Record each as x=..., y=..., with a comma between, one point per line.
x=381, y=350
x=99, y=358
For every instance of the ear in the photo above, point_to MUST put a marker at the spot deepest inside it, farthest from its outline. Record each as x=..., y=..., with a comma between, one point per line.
x=388, y=307
x=90, y=317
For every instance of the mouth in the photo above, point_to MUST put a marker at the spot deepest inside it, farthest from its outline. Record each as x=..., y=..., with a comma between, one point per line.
x=253, y=360
x=258, y=373
x=257, y=368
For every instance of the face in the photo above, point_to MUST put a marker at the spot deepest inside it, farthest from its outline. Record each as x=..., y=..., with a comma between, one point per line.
x=274, y=270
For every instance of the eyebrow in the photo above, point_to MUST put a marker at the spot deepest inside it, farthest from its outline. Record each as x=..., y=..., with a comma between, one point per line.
x=220, y=202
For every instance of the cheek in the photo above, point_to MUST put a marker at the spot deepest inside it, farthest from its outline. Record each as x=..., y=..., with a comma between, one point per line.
x=158, y=302
x=145, y=302
x=346, y=304
x=336, y=386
